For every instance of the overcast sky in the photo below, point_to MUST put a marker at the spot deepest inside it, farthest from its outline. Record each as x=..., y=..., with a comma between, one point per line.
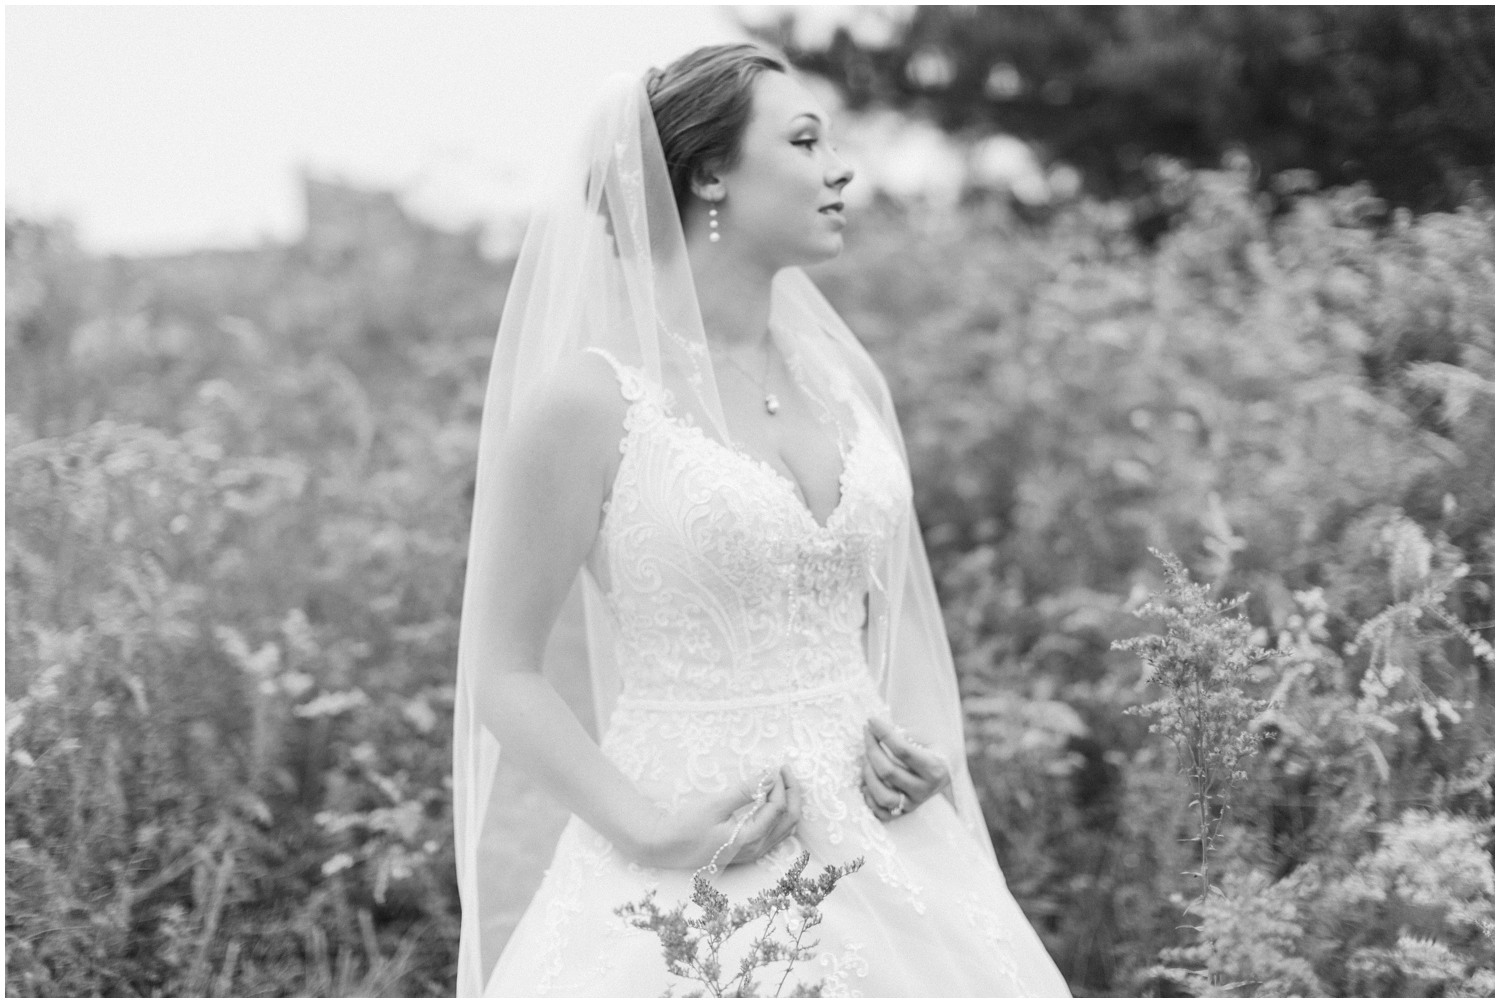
x=164, y=128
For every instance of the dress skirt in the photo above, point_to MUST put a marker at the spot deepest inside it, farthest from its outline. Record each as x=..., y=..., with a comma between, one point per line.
x=928, y=913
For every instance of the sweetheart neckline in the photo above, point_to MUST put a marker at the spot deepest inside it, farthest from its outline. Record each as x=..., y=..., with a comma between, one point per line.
x=661, y=398
x=792, y=488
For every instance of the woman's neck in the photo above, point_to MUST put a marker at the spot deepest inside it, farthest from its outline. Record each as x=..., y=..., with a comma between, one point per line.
x=734, y=296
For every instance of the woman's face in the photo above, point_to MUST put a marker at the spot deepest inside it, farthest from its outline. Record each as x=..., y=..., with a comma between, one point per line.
x=783, y=200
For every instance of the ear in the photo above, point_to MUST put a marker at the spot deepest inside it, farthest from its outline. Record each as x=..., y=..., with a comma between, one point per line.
x=708, y=186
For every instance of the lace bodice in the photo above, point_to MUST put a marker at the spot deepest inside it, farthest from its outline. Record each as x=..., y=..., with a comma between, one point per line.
x=722, y=584
x=739, y=641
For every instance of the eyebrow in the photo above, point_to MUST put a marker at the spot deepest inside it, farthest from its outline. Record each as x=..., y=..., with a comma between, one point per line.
x=812, y=115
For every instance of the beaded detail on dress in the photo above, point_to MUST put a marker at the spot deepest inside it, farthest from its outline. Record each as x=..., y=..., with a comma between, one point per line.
x=740, y=618
x=738, y=624
x=721, y=581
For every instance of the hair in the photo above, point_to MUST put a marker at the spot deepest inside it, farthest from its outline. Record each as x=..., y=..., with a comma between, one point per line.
x=701, y=103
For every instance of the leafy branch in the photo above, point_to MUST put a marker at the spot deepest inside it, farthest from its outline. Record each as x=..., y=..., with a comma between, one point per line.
x=692, y=945
x=1203, y=662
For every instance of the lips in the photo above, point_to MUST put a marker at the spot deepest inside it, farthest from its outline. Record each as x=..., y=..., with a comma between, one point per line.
x=831, y=208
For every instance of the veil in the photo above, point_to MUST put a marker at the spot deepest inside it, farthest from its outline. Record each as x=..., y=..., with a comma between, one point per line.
x=604, y=265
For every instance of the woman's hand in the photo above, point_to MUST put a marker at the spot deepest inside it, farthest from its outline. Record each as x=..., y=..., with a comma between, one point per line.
x=899, y=772
x=738, y=826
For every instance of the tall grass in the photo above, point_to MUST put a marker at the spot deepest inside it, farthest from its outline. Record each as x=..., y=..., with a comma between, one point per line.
x=237, y=501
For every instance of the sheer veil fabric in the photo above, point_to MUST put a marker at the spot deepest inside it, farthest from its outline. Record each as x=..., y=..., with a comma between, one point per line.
x=604, y=265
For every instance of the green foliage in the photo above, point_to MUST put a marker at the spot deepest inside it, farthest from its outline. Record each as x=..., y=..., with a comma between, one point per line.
x=230, y=612
x=1241, y=396
x=237, y=499
x=1411, y=916
x=1429, y=881
x=163, y=768
x=693, y=946
x=1400, y=96
x=1204, y=663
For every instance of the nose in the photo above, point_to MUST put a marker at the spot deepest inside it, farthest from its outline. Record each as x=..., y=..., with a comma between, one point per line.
x=840, y=173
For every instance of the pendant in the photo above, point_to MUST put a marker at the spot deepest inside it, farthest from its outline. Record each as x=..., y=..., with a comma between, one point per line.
x=772, y=404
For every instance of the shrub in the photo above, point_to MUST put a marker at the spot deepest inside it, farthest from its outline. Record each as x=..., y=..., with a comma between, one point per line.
x=237, y=508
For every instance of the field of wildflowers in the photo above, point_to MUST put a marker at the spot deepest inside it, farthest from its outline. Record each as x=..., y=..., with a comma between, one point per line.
x=237, y=490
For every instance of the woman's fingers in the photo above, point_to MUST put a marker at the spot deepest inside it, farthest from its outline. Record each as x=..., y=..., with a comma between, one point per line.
x=909, y=752
x=767, y=815
x=895, y=775
x=745, y=793
x=917, y=758
x=790, y=816
x=753, y=830
x=879, y=810
x=878, y=790
x=757, y=834
x=793, y=804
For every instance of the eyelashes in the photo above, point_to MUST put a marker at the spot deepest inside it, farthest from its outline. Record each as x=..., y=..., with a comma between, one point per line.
x=808, y=144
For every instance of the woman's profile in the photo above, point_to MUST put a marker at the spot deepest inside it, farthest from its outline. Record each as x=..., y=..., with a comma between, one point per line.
x=687, y=455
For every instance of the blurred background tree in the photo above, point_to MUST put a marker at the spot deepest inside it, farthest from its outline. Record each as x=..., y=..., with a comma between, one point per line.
x=1399, y=96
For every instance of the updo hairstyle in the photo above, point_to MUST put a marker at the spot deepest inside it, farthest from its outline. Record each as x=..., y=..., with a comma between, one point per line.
x=701, y=103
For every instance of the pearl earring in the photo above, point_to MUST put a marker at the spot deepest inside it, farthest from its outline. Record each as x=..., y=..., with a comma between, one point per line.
x=713, y=223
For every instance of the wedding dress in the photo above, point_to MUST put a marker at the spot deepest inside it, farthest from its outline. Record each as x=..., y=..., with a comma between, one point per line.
x=739, y=642
x=728, y=629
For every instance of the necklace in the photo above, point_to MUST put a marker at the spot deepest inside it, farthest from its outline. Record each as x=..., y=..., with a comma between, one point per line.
x=773, y=403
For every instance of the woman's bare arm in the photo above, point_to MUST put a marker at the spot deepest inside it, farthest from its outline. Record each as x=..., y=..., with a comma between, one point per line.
x=559, y=459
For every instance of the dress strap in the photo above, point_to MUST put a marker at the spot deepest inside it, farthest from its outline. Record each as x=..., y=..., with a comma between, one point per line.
x=632, y=381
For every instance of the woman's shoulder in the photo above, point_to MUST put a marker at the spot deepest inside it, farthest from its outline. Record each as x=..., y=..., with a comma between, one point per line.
x=592, y=380
x=582, y=403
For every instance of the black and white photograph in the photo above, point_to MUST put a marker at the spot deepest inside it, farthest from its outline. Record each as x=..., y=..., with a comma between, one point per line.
x=646, y=501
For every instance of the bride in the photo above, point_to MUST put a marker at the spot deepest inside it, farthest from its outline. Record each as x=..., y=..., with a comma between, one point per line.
x=687, y=458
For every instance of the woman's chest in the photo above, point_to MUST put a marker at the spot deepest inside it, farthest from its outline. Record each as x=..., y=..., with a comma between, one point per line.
x=688, y=506
x=799, y=439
